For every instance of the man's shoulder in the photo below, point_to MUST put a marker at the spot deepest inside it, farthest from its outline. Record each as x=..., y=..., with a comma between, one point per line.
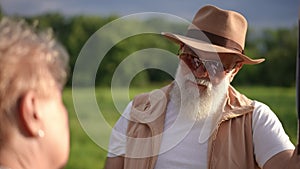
x=260, y=106
x=156, y=94
x=150, y=105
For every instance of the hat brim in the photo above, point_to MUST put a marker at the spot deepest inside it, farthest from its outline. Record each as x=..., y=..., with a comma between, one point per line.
x=208, y=47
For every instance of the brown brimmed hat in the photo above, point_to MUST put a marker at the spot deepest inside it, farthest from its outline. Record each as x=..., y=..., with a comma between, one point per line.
x=216, y=30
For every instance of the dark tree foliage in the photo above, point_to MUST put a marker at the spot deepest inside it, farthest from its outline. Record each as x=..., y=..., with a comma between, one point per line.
x=278, y=46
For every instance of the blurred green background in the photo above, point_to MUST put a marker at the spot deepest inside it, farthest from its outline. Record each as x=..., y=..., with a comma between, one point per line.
x=272, y=82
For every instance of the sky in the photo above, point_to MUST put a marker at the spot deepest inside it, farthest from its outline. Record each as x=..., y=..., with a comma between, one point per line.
x=259, y=13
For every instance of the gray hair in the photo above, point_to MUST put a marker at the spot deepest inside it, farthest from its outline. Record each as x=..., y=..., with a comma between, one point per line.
x=29, y=60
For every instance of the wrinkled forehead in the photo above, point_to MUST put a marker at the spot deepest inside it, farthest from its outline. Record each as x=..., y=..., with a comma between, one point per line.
x=223, y=57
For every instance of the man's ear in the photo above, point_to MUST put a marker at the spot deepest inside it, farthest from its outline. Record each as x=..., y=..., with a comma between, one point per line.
x=30, y=118
x=236, y=70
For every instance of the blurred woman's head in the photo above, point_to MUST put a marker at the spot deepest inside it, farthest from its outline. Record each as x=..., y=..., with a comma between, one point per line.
x=33, y=71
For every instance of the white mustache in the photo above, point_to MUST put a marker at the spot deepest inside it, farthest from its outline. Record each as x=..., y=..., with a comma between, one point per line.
x=199, y=81
x=203, y=82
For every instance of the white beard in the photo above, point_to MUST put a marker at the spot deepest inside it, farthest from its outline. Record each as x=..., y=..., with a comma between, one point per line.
x=195, y=104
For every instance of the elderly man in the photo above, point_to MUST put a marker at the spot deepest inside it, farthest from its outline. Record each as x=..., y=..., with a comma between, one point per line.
x=200, y=120
x=34, y=128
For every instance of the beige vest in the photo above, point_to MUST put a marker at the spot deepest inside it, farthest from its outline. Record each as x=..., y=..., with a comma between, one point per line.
x=230, y=146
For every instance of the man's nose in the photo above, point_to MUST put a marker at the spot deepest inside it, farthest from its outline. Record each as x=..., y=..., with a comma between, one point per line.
x=201, y=72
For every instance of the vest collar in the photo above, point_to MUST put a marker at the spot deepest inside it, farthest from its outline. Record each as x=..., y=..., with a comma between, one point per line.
x=236, y=104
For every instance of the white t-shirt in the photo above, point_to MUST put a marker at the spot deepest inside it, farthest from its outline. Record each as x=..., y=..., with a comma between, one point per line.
x=187, y=151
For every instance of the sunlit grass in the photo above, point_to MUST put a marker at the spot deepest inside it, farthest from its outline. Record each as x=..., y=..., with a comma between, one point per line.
x=86, y=154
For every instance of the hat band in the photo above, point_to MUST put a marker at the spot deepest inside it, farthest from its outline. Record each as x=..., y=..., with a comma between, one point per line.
x=214, y=39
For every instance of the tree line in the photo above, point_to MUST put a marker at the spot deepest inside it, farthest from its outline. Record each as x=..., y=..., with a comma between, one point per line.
x=278, y=46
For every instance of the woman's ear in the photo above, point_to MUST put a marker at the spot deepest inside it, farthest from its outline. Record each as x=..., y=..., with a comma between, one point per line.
x=30, y=118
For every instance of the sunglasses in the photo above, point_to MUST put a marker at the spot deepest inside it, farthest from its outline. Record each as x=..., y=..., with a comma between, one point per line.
x=212, y=66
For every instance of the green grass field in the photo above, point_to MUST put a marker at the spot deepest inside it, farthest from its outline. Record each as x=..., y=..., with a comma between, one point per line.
x=86, y=154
